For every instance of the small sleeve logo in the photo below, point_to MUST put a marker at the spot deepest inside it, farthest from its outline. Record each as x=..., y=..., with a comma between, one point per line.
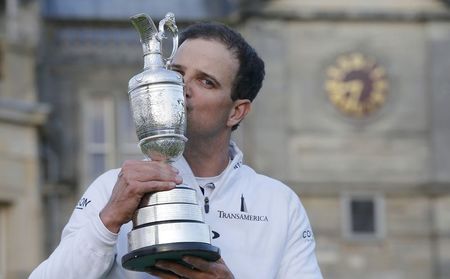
x=83, y=203
x=308, y=235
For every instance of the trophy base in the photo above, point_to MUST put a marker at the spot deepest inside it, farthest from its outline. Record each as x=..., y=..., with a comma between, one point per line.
x=146, y=257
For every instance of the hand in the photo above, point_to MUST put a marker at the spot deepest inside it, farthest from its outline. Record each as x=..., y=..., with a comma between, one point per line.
x=200, y=269
x=136, y=179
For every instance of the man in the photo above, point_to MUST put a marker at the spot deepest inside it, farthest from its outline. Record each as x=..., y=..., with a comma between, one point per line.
x=263, y=230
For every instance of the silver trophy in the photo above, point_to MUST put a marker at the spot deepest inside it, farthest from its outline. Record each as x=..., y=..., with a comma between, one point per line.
x=169, y=224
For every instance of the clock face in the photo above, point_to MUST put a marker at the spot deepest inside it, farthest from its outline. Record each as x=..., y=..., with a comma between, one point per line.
x=356, y=85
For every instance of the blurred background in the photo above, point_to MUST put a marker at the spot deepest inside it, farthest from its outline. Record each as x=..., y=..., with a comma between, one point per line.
x=354, y=116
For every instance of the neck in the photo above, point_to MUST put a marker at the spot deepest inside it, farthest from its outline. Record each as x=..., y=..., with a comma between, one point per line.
x=206, y=158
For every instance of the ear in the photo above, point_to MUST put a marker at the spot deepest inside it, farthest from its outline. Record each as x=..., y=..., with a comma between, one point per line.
x=238, y=112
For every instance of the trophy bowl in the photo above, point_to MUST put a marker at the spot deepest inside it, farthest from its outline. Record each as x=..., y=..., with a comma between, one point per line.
x=163, y=148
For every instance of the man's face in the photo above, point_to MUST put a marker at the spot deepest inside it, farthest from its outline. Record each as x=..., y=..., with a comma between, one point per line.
x=208, y=69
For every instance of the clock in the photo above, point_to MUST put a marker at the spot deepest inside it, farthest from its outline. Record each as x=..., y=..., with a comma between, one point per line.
x=356, y=85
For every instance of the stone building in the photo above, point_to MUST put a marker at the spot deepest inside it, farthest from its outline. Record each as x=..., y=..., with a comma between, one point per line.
x=353, y=116
x=21, y=116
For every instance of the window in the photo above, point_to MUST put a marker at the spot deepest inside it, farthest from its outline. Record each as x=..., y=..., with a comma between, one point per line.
x=2, y=18
x=363, y=216
x=109, y=135
x=2, y=7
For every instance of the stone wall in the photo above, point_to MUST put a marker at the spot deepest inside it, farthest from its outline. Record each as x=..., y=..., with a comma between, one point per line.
x=399, y=153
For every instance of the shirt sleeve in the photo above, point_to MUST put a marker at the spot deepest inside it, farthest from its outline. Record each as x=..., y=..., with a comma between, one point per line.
x=87, y=247
x=299, y=259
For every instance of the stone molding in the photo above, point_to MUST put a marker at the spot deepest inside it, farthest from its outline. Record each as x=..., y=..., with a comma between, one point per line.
x=350, y=15
x=333, y=189
x=23, y=113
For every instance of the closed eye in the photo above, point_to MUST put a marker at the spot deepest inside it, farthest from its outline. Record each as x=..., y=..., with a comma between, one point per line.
x=207, y=83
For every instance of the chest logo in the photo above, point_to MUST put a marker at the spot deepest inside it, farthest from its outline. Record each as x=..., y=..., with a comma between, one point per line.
x=243, y=214
x=243, y=206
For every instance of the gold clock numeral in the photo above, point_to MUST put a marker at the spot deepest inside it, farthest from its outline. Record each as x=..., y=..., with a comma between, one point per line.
x=377, y=73
x=377, y=98
x=380, y=85
x=344, y=63
x=358, y=61
x=334, y=73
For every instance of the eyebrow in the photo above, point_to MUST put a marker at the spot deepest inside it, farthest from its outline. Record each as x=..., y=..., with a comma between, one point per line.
x=175, y=67
x=181, y=68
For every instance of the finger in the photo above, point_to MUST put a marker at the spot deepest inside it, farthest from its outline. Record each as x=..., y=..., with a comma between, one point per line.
x=155, y=186
x=136, y=189
x=161, y=274
x=149, y=171
x=131, y=177
x=198, y=263
x=156, y=171
x=176, y=268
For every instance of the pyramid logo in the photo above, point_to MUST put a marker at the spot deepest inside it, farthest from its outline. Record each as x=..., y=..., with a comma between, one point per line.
x=243, y=205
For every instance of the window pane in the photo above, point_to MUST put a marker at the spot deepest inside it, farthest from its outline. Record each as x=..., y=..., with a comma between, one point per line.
x=130, y=150
x=362, y=216
x=97, y=165
x=126, y=130
x=125, y=157
x=97, y=121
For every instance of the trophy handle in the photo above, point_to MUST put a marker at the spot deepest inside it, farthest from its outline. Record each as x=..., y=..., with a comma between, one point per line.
x=169, y=21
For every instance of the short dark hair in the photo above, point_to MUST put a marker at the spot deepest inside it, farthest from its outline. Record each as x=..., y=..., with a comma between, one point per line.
x=250, y=75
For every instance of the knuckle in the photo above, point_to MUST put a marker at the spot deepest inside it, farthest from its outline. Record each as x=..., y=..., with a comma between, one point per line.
x=126, y=163
x=125, y=177
x=129, y=164
x=133, y=188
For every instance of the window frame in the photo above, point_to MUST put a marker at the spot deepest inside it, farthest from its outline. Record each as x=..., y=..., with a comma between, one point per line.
x=113, y=148
x=379, y=218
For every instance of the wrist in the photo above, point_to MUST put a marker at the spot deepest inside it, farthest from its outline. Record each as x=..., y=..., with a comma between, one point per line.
x=109, y=221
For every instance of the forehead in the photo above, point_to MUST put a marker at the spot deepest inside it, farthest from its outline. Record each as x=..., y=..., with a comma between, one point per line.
x=209, y=56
